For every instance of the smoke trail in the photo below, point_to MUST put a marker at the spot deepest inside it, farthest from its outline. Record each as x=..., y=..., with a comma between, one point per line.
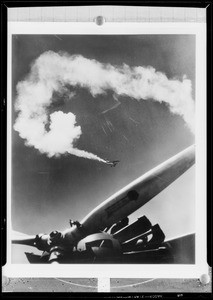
x=53, y=71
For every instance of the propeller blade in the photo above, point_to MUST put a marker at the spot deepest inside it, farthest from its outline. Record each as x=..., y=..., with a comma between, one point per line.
x=138, y=192
x=23, y=239
x=41, y=241
x=30, y=241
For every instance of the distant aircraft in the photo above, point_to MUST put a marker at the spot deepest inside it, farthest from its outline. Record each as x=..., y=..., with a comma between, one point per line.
x=112, y=163
x=105, y=234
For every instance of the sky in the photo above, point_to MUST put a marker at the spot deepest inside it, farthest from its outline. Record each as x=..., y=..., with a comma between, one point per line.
x=50, y=185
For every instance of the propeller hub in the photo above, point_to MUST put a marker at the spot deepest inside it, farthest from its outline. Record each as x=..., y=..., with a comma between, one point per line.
x=55, y=237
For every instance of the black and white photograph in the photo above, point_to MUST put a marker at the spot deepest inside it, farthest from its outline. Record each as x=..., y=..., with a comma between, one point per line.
x=105, y=141
x=103, y=149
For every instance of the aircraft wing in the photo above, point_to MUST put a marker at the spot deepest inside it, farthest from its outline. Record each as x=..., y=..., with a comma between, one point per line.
x=183, y=248
x=180, y=250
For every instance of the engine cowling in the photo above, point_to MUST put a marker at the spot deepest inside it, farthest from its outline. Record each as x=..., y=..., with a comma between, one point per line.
x=100, y=244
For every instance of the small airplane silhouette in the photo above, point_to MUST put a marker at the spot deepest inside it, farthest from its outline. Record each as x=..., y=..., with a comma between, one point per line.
x=112, y=163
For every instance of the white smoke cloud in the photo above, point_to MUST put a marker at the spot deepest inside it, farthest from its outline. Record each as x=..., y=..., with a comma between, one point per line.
x=52, y=71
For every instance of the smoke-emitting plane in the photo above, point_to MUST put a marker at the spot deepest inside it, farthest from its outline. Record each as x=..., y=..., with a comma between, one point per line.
x=105, y=234
x=112, y=163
